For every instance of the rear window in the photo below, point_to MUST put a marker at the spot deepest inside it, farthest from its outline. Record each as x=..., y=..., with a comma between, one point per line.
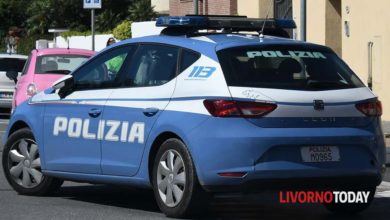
x=11, y=64
x=58, y=64
x=294, y=68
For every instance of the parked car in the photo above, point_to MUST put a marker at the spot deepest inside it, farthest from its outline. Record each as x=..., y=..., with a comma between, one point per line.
x=44, y=66
x=11, y=66
x=191, y=113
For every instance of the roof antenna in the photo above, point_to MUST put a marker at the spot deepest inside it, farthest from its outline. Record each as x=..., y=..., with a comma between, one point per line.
x=261, y=35
x=68, y=42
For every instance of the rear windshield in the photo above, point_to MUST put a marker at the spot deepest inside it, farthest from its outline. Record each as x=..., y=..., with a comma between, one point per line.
x=12, y=64
x=58, y=64
x=294, y=68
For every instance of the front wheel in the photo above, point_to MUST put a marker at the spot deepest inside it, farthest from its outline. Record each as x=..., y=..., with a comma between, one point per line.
x=175, y=184
x=22, y=165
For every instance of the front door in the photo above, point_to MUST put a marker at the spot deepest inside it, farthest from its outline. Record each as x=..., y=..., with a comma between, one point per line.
x=73, y=126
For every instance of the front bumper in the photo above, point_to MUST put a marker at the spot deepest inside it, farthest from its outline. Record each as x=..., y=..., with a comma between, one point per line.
x=5, y=103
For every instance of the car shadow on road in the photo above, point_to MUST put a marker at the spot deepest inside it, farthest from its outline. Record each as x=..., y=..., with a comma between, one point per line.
x=110, y=195
x=261, y=206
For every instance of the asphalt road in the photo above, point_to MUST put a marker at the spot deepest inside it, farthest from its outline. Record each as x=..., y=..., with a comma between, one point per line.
x=85, y=201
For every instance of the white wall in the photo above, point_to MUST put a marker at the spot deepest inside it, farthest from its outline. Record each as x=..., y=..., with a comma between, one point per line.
x=145, y=28
x=84, y=42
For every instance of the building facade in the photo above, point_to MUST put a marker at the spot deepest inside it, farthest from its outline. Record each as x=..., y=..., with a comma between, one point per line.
x=220, y=7
x=359, y=31
x=161, y=6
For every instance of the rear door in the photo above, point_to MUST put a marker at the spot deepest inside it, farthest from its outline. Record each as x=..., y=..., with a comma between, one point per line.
x=131, y=111
x=311, y=86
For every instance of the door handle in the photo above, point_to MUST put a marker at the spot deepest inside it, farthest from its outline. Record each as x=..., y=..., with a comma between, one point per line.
x=94, y=112
x=149, y=112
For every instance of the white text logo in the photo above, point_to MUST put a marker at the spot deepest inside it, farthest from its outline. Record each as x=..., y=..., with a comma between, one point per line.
x=109, y=130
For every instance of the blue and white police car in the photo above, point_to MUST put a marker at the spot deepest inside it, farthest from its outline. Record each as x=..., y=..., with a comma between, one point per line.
x=191, y=113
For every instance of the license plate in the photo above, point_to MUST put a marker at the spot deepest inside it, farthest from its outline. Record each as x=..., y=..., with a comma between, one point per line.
x=6, y=95
x=320, y=154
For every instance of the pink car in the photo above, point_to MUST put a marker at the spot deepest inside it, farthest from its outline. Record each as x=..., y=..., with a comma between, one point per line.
x=44, y=67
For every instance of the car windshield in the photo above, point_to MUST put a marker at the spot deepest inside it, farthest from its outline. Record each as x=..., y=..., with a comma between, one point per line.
x=11, y=64
x=286, y=67
x=58, y=64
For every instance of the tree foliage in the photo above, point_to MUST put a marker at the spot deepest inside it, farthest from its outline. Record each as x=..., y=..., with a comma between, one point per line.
x=11, y=14
x=46, y=14
x=113, y=13
x=141, y=10
x=35, y=17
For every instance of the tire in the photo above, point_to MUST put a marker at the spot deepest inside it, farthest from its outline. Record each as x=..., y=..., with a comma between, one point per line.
x=351, y=208
x=22, y=166
x=179, y=180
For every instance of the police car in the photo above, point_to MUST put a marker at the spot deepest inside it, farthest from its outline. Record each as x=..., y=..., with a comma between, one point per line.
x=191, y=113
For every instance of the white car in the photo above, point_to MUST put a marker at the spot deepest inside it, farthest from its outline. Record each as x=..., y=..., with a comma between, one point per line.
x=10, y=64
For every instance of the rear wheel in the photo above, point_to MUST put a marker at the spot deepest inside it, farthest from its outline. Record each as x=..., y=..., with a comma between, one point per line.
x=351, y=208
x=22, y=165
x=175, y=183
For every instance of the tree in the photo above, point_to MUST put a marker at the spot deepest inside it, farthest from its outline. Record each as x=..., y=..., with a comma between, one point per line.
x=142, y=10
x=40, y=16
x=11, y=14
x=45, y=14
x=112, y=13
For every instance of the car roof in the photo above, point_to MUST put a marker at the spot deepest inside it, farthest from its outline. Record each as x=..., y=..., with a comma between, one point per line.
x=7, y=55
x=205, y=43
x=50, y=51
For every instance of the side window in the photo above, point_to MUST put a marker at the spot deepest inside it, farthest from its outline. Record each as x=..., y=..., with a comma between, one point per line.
x=187, y=59
x=103, y=72
x=152, y=65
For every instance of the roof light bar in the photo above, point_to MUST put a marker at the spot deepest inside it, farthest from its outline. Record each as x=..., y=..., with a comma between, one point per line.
x=182, y=21
x=223, y=22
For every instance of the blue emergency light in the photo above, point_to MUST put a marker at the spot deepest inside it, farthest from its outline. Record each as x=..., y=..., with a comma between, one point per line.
x=182, y=21
x=236, y=23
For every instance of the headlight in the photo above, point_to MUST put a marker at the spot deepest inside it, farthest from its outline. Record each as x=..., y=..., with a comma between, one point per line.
x=31, y=89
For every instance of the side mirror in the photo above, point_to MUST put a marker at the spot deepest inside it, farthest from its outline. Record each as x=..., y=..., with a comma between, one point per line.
x=64, y=86
x=12, y=75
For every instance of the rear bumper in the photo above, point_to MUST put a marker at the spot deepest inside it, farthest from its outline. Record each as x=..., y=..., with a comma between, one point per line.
x=271, y=157
x=307, y=183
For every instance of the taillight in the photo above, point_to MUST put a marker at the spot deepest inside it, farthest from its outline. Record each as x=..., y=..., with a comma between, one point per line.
x=371, y=109
x=230, y=108
x=31, y=89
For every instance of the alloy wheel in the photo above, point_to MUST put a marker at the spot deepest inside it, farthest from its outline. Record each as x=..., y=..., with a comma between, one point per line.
x=171, y=178
x=24, y=163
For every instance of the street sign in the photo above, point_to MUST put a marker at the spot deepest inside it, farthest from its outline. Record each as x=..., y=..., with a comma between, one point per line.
x=92, y=4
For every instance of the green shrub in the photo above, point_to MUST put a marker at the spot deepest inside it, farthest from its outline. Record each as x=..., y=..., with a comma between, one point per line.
x=123, y=30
